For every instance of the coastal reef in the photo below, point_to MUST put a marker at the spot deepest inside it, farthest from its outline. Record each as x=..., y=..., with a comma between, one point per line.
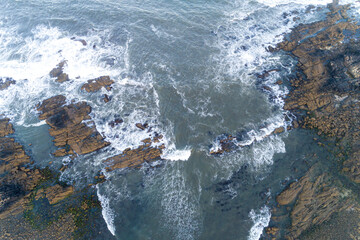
x=34, y=204
x=324, y=96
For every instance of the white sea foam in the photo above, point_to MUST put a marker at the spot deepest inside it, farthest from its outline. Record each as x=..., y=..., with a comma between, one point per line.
x=106, y=211
x=261, y=219
x=273, y=3
x=177, y=155
x=179, y=204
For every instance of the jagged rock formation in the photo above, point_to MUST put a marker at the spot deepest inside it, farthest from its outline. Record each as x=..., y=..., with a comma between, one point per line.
x=313, y=200
x=135, y=157
x=94, y=85
x=68, y=128
x=18, y=181
x=59, y=74
x=33, y=202
x=6, y=82
x=325, y=96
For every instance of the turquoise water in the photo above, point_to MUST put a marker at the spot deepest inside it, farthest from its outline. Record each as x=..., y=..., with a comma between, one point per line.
x=189, y=69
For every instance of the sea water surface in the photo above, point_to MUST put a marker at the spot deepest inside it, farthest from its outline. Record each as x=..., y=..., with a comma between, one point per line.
x=187, y=68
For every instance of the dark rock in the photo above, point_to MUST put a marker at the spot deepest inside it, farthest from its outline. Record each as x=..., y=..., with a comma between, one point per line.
x=106, y=98
x=116, y=122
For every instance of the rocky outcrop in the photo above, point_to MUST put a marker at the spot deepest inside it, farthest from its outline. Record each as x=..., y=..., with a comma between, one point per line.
x=54, y=193
x=6, y=127
x=325, y=97
x=134, y=158
x=17, y=181
x=94, y=85
x=6, y=82
x=12, y=154
x=72, y=135
x=27, y=191
x=59, y=74
x=312, y=200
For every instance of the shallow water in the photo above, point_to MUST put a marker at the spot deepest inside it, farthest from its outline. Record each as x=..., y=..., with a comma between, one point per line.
x=189, y=69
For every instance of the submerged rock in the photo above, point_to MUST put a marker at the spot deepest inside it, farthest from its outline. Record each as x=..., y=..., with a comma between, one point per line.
x=226, y=143
x=116, y=122
x=68, y=128
x=94, y=85
x=6, y=82
x=59, y=74
x=83, y=42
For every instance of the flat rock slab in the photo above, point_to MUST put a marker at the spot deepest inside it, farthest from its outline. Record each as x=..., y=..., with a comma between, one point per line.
x=71, y=134
x=94, y=85
x=134, y=158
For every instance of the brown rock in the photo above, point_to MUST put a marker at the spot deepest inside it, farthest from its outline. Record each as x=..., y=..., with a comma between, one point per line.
x=55, y=193
x=59, y=74
x=326, y=87
x=71, y=134
x=133, y=158
x=311, y=201
x=279, y=82
x=141, y=126
x=6, y=127
x=106, y=98
x=279, y=130
x=116, y=122
x=96, y=84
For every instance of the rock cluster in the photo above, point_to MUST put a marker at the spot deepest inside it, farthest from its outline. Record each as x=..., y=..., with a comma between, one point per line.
x=17, y=181
x=59, y=74
x=68, y=128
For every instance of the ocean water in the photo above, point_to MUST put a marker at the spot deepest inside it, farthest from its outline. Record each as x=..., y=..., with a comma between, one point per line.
x=187, y=68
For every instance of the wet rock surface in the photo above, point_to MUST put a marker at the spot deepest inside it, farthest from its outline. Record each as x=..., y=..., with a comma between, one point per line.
x=313, y=200
x=134, y=158
x=6, y=82
x=94, y=85
x=34, y=204
x=59, y=74
x=72, y=135
x=325, y=98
